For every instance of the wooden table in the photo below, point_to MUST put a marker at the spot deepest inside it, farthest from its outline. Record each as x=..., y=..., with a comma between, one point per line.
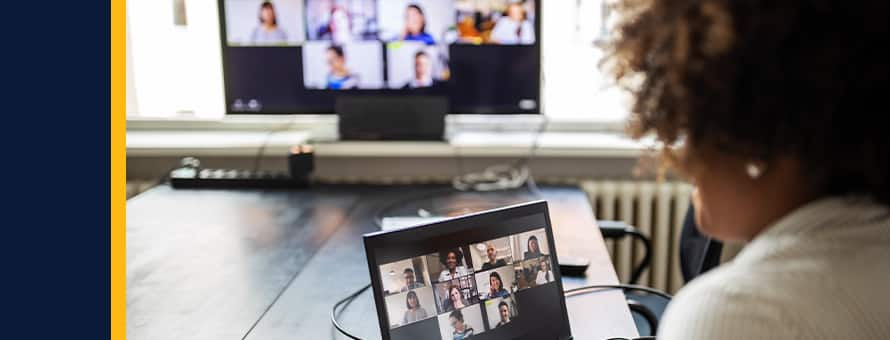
x=251, y=264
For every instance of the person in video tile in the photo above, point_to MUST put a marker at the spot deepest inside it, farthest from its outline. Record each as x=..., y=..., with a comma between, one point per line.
x=455, y=299
x=268, y=31
x=497, y=286
x=339, y=77
x=493, y=261
x=410, y=280
x=514, y=28
x=504, y=312
x=415, y=311
x=338, y=28
x=415, y=26
x=534, y=250
x=545, y=275
x=452, y=259
x=461, y=330
x=423, y=71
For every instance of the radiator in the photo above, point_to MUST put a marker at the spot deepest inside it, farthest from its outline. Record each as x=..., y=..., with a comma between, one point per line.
x=657, y=209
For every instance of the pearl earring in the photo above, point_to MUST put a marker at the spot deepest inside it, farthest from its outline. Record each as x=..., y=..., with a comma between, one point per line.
x=755, y=169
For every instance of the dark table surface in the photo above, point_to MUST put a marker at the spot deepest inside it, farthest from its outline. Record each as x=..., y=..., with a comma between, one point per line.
x=253, y=264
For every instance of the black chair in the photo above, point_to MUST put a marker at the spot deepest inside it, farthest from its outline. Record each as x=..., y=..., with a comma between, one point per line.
x=698, y=254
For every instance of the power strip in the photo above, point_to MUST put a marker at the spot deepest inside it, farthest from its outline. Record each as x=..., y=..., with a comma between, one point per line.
x=192, y=178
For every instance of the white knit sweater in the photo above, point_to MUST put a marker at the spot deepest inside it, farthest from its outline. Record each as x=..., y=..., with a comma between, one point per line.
x=821, y=272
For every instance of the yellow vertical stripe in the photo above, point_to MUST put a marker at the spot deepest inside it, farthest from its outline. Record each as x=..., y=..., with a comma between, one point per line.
x=118, y=170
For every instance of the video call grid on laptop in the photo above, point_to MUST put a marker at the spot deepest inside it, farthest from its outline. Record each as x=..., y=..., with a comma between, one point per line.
x=489, y=275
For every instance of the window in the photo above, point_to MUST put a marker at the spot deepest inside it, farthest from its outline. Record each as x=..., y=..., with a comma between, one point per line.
x=176, y=70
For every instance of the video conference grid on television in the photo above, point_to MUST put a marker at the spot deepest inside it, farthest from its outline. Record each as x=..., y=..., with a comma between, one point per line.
x=467, y=290
x=373, y=44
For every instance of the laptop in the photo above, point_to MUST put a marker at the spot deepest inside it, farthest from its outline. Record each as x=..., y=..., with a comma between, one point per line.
x=488, y=275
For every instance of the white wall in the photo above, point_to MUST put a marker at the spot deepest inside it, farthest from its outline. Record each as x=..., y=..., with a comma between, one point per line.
x=396, y=307
x=472, y=318
x=175, y=68
x=242, y=16
x=439, y=17
x=364, y=58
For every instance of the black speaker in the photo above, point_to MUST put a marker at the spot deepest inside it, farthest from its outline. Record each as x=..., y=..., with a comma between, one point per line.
x=391, y=117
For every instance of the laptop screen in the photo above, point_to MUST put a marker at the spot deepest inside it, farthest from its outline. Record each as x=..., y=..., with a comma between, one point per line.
x=491, y=275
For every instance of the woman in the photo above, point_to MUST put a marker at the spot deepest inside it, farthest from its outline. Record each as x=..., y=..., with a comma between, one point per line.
x=496, y=286
x=770, y=112
x=415, y=26
x=460, y=329
x=534, y=251
x=415, y=312
x=338, y=28
x=455, y=299
x=339, y=77
x=545, y=275
x=451, y=260
x=268, y=32
x=514, y=28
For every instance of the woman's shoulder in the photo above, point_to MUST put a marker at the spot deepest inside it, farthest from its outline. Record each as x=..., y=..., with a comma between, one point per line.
x=726, y=303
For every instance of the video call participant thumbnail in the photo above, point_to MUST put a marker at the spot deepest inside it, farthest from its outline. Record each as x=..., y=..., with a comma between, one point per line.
x=415, y=312
x=491, y=257
x=423, y=21
x=268, y=31
x=502, y=22
x=496, y=286
x=544, y=274
x=413, y=65
x=533, y=248
x=461, y=324
x=496, y=283
x=409, y=307
x=358, y=65
x=514, y=28
x=403, y=275
x=500, y=312
x=410, y=280
x=339, y=77
x=415, y=26
x=453, y=262
x=340, y=21
x=455, y=294
x=263, y=23
x=536, y=272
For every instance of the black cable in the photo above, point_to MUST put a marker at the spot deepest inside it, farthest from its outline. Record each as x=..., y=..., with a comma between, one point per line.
x=531, y=185
x=595, y=288
x=347, y=300
x=512, y=175
x=268, y=139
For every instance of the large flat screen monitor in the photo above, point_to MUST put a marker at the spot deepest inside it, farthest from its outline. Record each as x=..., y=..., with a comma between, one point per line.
x=299, y=56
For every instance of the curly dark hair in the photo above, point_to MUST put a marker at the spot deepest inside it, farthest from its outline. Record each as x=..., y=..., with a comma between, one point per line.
x=443, y=255
x=762, y=79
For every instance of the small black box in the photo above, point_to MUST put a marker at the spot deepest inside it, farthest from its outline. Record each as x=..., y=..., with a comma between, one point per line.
x=392, y=117
x=301, y=161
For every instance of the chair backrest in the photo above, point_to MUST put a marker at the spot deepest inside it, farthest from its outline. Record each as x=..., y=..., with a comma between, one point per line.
x=698, y=252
